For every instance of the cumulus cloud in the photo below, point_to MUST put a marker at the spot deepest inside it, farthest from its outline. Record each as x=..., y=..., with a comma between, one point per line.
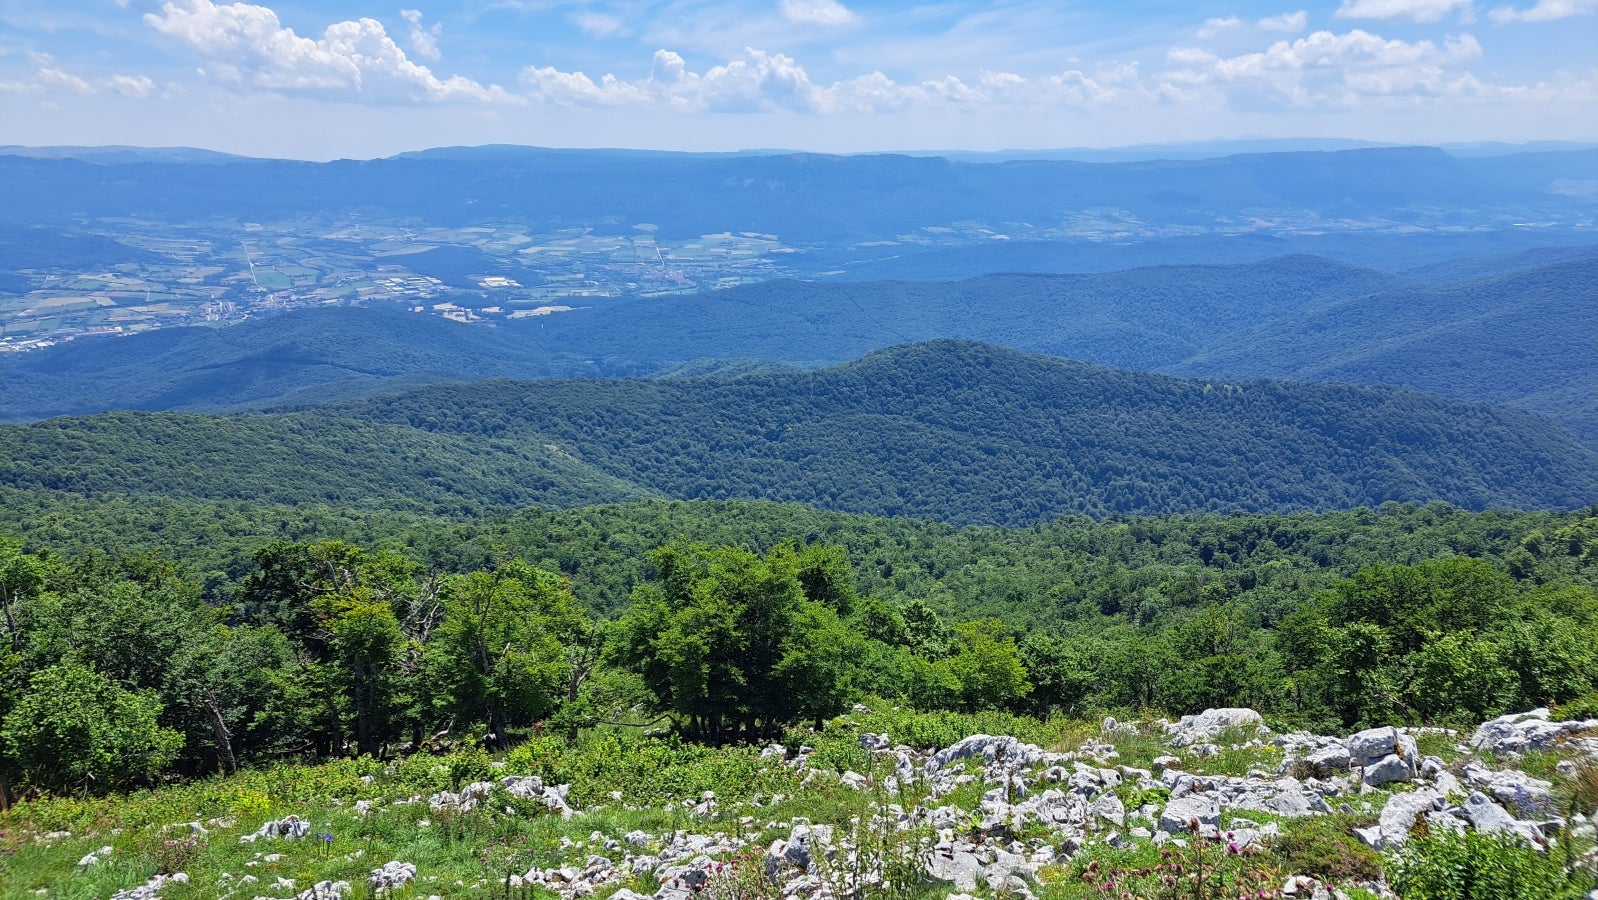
x=424, y=41
x=758, y=81
x=1213, y=27
x=48, y=77
x=1545, y=11
x=1413, y=10
x=1335, y=69
x=816, y=12
x=247, y=45
x=1291, y=23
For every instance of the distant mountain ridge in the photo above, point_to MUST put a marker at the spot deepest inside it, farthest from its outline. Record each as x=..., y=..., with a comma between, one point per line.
x=1515, y=337
x=819, y=198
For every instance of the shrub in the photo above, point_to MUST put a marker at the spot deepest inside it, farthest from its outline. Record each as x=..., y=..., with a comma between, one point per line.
x=77, y=731
x=1583, y=707
x=1444, y=865
x=1325, y=847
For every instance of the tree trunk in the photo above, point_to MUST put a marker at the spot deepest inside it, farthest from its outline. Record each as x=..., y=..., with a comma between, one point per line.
x=224, y=743
x=363, y=714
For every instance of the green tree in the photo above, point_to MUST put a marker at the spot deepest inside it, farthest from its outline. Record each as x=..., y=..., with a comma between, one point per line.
x=76, y=730
x=988, y=666
x=500, y=655
x=730, y=644
x=366, y=642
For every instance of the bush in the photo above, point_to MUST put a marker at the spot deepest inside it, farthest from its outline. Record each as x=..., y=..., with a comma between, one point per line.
x=1474, y=866
x=77, y=731
x=1577, y=708
x=1325, y=847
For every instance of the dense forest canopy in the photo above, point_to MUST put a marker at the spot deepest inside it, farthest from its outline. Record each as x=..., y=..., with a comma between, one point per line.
x=735, y=620
x=948, y=430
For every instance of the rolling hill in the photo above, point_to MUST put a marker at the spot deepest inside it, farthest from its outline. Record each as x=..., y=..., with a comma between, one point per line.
x=948, y=430
x=1144, y=318
x=1518, y=336
x=1528, y=338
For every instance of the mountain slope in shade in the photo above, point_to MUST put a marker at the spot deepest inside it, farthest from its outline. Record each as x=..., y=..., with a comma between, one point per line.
x=1142, y=318
x=1528, y=339
x=294, y=460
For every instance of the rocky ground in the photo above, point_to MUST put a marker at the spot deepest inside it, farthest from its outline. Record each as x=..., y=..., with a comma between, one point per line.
x=988, y=815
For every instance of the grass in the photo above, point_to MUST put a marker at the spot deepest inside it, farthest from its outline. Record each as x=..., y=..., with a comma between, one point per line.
x=625, y=782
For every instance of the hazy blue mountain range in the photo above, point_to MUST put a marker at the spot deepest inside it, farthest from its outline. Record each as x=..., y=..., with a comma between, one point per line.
x=949, y=430
x=1518, y=336
x=808, y=198
x=1432, y=257
x=113, y=154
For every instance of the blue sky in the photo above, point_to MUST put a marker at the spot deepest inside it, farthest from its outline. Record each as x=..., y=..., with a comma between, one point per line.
x=354, y=78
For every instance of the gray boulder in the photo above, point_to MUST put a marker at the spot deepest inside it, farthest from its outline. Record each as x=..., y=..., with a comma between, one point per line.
x=1519, y=732
x=1180, y=813
x=1489, y=818
x=960, y=869
x=1385, y=755
x=1327, y=761
x=392, y=875
x=1209, y=723
x=1398, y=817
x=1110, y=808
x=287, y=827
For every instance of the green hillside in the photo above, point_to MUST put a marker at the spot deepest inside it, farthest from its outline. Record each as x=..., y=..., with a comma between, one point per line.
x=952, y=431
x=967, y=432
x=293, y=459
x=1525, y=339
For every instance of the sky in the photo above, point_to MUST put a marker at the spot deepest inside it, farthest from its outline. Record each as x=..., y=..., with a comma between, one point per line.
x=324, y=79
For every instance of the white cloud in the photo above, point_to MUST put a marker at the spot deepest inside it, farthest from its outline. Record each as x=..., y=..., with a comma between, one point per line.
x=52, y=77
x=597, y=24
x=1545, y=11
x=49, y=78
x=1327, y=69
x=424, y=41
x=247, y=45
x=1413, y=10
x=1291, y=23
x=131, y=85
x=757, y=81
x=816, y=12
x=1213, y=27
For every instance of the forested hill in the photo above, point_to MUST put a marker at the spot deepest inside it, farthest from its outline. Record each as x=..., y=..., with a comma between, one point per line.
x=1529, y=338
x=1516, y=337
x=948, y=430
x=967, y=432
x=293, y=460
x=1143, y=318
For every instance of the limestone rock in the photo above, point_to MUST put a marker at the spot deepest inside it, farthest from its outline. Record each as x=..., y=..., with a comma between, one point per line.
x=1203, y=808
x=1209, y=723
x=391, y=875
x=1519, y=732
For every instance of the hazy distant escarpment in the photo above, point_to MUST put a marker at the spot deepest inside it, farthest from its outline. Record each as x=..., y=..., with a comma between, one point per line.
x=949, y=430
